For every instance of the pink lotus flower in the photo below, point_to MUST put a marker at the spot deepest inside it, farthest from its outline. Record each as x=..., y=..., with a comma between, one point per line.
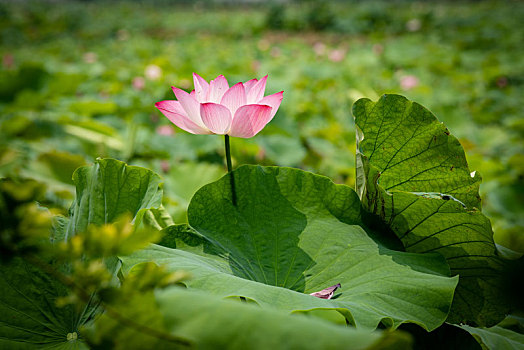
x=215, y=108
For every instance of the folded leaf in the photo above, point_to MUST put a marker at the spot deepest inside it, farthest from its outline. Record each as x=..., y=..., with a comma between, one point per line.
x=413, y=174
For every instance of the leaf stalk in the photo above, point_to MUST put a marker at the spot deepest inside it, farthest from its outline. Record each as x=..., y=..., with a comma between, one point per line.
x=230, y=169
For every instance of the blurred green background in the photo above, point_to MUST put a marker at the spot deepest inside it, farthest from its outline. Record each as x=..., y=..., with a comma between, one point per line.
x=79, y=80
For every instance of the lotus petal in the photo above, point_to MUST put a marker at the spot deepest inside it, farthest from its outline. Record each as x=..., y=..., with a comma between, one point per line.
x=190, y=106
x=256, y=93
x=217, y=118
x=234, y=98
x=249, y=84
x=176, y=114
x=201, y=87
x=273, y=101
x=249, y=120
x=217, y=89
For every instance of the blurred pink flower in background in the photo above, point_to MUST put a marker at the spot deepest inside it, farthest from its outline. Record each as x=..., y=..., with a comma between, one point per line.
x=337, y=55
x=153, y=72
x=164, y=164
x=165, y=130
x=378, y=49
x=90, y=57
x=184, y=83
x=319, y=48
x=215, y=108
x=275, y=52
x=8, y=61
x=261, y=154
x=122, y=34
x=502, y=82
x=263, y=45
x=255, y=65
x=413, y=25
x=139, y=83
x=408, y=82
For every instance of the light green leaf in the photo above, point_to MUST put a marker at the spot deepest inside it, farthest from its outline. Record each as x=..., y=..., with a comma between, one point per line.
x=283, y=150
x=182, y=181
x=110, y=188
x=413, y=174
x=496, y=338
x=58, y=165
x=54, y=168
x=174, y=317
x=212, y=323
x=293, y=233
x=158, y=218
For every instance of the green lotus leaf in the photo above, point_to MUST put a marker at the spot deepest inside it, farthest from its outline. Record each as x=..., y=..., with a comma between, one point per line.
x=212, y=323
x=293, y=233
x=177, y=317
x=30, y=317
x=414, y=176
x=496, y=338
x=109, y=189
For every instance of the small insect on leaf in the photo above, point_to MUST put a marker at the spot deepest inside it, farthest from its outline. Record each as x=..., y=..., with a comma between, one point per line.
x=326, y=293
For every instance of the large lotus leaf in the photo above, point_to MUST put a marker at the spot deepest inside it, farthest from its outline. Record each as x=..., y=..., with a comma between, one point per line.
x=111, y=188
x=413, y=174
x=212, y=323
x=29, y=316
x=180, y=316
x=293, y=233
x=496, y=338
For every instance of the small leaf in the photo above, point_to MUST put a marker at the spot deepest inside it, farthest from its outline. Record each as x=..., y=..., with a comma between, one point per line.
x=110, y=188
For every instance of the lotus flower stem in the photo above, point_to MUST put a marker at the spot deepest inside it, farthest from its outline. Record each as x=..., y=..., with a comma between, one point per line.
x=230, y=169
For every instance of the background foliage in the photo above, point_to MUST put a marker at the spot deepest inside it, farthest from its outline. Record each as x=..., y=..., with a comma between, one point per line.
x=79, y=81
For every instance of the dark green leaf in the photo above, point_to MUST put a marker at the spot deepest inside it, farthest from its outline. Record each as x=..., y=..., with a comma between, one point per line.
x=29, y=317
x=496, y=338
x=413, y=174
